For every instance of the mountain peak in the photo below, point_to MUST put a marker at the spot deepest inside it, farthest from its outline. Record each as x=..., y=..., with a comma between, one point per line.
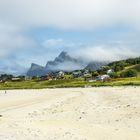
x=33, y=65
x=63, y=62
x=63, y=55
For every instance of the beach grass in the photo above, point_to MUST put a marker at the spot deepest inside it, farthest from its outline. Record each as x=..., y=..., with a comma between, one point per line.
x=66, y=83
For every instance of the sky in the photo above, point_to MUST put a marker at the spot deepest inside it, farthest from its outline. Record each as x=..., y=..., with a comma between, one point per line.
x=35, y=31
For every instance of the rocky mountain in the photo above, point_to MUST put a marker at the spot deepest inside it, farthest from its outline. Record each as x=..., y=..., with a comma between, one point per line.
x=36, y=70
x=64, y=62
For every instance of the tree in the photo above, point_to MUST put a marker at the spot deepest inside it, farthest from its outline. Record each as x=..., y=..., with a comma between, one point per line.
x=114, y=75
x=119, y=66
x=6, y=77
x=129, y=73
x=34, y=77
x=105, y=68
x=22, y=77
x=95, y=73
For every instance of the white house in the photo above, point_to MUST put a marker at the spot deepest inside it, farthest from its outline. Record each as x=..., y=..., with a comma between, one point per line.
x=86, y=72
x=61, y=74
x=16, y=79
x=110, y=71
x=77, y=73
x=103, y=77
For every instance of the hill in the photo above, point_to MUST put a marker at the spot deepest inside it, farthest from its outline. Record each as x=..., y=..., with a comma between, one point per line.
x=124, y=73
x=123, y=68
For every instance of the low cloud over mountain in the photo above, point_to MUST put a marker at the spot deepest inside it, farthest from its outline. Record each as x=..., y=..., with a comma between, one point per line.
x=63, y=62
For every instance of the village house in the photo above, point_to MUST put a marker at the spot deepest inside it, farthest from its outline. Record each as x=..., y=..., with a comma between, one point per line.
x=16, y=79
x=86, y=71
x=61, y=74
x=103, y=78
x=77, y=74
x=110, y=71
x=46, y=77
x=2, y=81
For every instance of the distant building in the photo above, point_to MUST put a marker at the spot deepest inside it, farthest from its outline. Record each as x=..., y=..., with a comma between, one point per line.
x=28, y=77
x=110, y=71
x=47, y=77
x=2, y=81
x=61, y=74
x=103, y=78
x=16, y=79
x=86, y=71
x=77, y=74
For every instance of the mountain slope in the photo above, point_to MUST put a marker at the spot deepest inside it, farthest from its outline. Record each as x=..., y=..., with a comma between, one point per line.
x=95, y=65
x=36, y=70
x=64, y=62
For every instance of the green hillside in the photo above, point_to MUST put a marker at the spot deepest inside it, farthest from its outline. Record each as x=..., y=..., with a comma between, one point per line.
x=125, y=68
x=124, y=73
x=137, y=68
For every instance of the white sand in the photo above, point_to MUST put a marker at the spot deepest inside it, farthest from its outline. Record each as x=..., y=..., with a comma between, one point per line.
x=71, y=114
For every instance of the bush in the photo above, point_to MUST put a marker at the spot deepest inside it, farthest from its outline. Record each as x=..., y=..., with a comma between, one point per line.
x=95, y=73
x=129, y=73
x=118, y=67
x=114, y=75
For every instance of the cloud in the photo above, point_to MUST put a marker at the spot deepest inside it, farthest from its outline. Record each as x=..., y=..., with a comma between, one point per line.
x=107, y=53
x=18, y=18
x=67, y=66
x=53, y=42
x=13, y=68
x=111, y=50
x=72, y=14
x=59, y=43
x=12, y=40
x=13, y=43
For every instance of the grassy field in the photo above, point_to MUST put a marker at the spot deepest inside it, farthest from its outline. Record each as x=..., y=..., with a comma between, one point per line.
x=32, y=84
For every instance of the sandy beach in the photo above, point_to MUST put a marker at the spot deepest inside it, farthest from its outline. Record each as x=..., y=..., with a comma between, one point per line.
x=105, y=113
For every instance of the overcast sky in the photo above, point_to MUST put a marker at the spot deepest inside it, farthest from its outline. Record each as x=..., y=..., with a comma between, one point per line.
x=38, y=30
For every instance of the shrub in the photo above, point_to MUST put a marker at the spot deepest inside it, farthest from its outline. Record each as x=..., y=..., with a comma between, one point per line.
x=114, y=75
x=95, y=73
x=129, y=73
